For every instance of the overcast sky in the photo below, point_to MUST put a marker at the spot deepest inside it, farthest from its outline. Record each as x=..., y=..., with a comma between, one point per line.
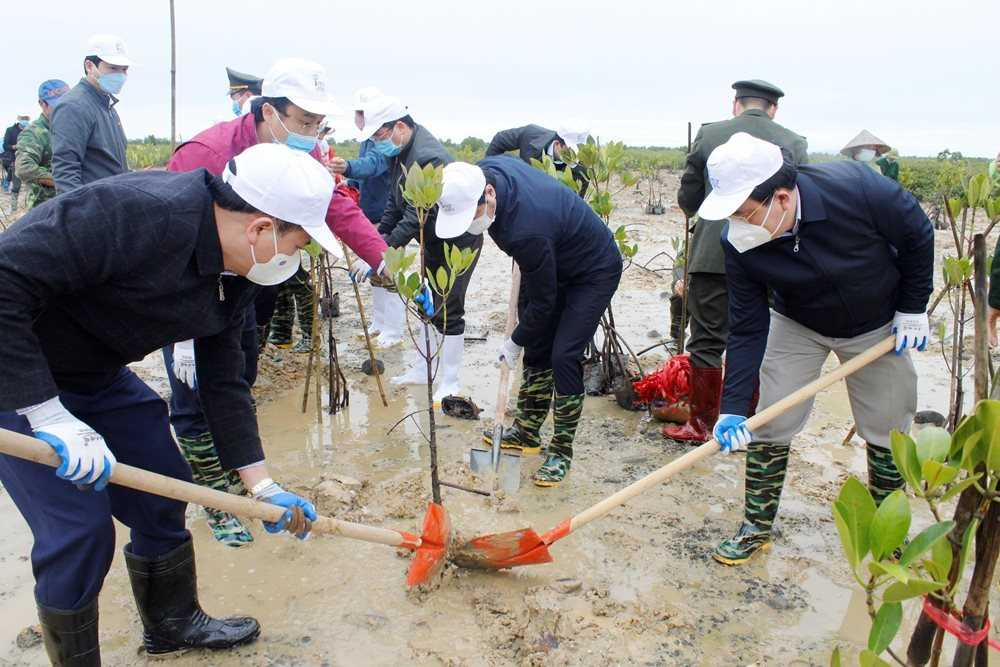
x=921, y=75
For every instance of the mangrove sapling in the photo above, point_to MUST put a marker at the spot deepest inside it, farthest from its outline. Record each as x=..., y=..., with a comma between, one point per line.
x=422, y=190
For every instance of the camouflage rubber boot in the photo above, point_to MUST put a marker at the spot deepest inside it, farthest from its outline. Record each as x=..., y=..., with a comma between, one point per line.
x=533, y=402
x=883, y=476
x=304, y=346
x=283, y=318
x=765, y=476
x=566, y=411
x=304, y=307
x=207, y=471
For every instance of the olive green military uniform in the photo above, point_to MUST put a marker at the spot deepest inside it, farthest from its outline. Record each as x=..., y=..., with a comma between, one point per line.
x=34, y=161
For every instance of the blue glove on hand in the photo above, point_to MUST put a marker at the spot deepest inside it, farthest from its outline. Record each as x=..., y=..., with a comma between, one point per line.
x=275, y=495
x=732, y=433
x=425, y=300
x=86, y=459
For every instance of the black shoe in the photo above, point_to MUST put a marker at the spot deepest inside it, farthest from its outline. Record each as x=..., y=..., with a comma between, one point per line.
x=166, y=593
x=71, y=636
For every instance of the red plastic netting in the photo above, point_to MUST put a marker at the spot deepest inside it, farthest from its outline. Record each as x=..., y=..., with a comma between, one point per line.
x=671, y=382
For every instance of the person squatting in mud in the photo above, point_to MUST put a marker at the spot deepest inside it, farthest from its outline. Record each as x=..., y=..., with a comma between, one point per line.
x=103, y=276
x=570, y=269
x=849, y=258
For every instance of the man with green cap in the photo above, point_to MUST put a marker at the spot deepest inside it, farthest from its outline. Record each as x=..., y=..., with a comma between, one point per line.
x=754, y=107
x=33, y=164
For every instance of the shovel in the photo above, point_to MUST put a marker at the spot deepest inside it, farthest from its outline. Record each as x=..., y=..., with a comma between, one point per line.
x=429, y=547
x=505, y=467
x=525, y=547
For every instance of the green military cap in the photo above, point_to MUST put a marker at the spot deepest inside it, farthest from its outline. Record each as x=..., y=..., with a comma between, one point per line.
x=758, y=88
x=239, y=81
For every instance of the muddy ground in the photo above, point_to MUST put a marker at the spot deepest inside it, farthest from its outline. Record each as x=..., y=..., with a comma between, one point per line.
x=637, y=588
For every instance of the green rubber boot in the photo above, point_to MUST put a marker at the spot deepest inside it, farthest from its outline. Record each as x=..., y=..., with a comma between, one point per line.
x=533, y=402
x=304, y=346
x=207, y=471
x=765, y=476
x=883, y=476
x=566, y=413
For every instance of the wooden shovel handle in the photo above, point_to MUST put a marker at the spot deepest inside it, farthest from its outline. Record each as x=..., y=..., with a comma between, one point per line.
x=32, y=449
x=712, y=446
x=503, y=391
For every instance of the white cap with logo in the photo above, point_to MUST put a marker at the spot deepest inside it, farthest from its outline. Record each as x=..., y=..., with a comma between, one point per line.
x=303, y=82
x=287, y=184
x=364, y=96
x=378, y=112
x=574, y=132
x=734, y=169
x=109, y=48
x=461, y=191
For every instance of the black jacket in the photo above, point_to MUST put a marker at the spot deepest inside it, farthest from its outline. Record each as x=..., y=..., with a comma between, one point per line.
x=104, y=275
x=88, y=140
x=10, y=142
x=532, y=142
x=863, y=250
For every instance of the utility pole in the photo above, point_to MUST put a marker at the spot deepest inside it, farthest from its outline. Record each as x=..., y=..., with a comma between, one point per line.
x=173, y=79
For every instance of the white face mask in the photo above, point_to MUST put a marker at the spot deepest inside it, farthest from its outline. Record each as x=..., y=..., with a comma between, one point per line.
x=276, y=270
x=864, y=154
x=483, y=222
x=745, y=236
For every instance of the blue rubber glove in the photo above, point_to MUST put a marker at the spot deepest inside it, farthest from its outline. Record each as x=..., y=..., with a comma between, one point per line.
x=86, y=459
x=425, y=300
x=732, y=433
x=276, y=495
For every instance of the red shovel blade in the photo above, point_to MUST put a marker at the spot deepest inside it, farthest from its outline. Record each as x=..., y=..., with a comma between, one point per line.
x=499, y=551
x=434, y=542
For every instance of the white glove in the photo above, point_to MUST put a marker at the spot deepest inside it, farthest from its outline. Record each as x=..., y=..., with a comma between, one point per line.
x=360, y=271
x=510, y=353
x=86, y=459
x=912, y=330
x=184, y=366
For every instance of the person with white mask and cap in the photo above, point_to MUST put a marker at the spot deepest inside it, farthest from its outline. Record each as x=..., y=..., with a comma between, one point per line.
x=849, y=259
x=532, y=142
x=145, y=259
x=570, y=267
x=88, y=141
x=866, y=148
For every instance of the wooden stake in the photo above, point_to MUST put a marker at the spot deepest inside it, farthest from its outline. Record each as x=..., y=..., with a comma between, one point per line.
x=173, y=79
x=981, y=307
x=368, y=340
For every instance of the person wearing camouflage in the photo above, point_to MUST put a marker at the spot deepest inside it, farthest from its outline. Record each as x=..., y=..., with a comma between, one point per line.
x=295, y=297
x=33, y=164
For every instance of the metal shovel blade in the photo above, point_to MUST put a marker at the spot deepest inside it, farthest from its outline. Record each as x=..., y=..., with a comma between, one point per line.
x=509, y=472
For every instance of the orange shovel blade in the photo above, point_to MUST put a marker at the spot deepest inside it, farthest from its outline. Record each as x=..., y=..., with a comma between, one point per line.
x=499, y=551
x=435, y=540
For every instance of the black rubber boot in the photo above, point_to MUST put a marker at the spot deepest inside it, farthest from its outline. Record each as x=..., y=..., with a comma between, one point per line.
x=166, y=593
x=71, y=636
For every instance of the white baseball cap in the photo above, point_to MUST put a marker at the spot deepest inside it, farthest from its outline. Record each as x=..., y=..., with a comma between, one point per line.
x=380, y=111
x=287, y=184
x=303, y=82
x=364, y=96
x=573, y=133
x=462, y=187
x=734, y=169
x=109, y=48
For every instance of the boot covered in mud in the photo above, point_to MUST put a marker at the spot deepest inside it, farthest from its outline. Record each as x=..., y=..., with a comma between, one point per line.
x=765, y=477
x=883, y=475
x=207, y=471
x=566, y=411
x=706, y=393
x=166, y=593
x=71, y=636
x=533, y=402
x=447, y=382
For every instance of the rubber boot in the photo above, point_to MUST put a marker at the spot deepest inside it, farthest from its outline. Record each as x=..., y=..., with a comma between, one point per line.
x=13, y=202
x=447, y=382
x=765, y=476
x=883, y=476
x=378, y=306
x=533, y=402
x=393, y=321
x=71, y=636
x=304, y=346
x=706, y=392
x=166, y=593
x=207, y=471
x=416, y=367
x=566, y=411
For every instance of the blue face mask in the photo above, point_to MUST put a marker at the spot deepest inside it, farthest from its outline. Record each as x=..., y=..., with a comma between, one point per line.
x=22, y=123
x=386, y=147
x=300, y=142
x=112, y=82
x=237, y=109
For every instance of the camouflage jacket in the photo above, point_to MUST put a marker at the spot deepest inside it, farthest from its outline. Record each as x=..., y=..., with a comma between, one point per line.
x=34, y=161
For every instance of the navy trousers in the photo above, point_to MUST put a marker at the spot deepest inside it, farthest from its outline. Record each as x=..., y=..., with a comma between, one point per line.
x=186, y=414
x=575, y=319
x=73, y=531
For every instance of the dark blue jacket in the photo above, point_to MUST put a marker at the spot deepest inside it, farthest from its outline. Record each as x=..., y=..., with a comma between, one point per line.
x=88, y=141
x=863, y=250
x=370, y=174
x=554, y=236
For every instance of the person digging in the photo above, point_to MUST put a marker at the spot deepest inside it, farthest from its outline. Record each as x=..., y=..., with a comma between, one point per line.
x=570, y=269
x=849, y=258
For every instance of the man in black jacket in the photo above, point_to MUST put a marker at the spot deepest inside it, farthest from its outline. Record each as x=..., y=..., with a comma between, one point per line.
x=143, y=260
x=406, y=143
x=532, y=142
x=9, y=155
x=848, y=256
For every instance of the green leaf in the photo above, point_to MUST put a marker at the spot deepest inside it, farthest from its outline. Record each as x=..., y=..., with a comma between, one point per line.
x=869, y=659
x=889, y=525
x=961, y=486
x=942, y=554
x=432, y=282
x=413, y=282
x=938, y=474
x=894, y=570
x=885, y=626
x=955, y=206
x=468, y=258
x=853, y=512
x=904, y=453
x=978, y=190
x=927, y=538
x=988, y=415
x=835, y=658
x=963, y=553
x=442, y=279
x=899, y=591
x=933, y=442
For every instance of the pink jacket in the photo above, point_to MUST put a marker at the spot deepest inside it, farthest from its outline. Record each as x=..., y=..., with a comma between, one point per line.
x=217, y=145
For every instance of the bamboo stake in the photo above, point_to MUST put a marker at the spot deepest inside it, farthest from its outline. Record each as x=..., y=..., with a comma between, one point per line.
x=368, y=340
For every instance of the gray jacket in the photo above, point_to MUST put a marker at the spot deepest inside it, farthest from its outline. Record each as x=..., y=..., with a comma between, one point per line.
x=88, y=141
